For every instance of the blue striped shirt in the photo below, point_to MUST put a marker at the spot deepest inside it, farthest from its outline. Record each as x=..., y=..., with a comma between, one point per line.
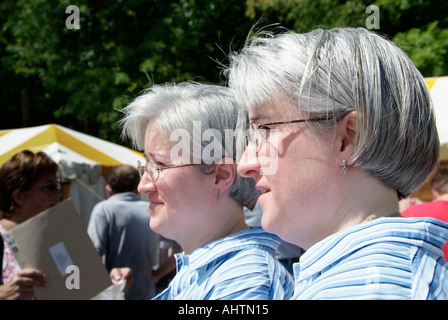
x=239, y=266
x=387, y=258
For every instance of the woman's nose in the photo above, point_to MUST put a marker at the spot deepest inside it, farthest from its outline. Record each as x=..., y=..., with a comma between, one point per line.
x=248, y=166
x=146, y=185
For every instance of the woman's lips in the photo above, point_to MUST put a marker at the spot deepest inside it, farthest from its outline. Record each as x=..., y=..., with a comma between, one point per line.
x=263, y=192
x=153, y=205
x=262, y=189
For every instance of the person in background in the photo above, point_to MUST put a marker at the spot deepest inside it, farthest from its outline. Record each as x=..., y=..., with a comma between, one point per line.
x=438, y=207
x=166, y=268
x=403, y=204
x=346, y=119
x=29, y=185
x=119, y=230
x=197, y=197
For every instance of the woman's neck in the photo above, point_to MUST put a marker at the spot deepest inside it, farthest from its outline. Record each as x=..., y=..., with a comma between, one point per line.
x=232, y=221
x=370, y=199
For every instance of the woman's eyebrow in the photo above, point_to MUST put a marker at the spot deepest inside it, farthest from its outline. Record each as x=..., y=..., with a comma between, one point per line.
x=154, y=156
x=259, y=118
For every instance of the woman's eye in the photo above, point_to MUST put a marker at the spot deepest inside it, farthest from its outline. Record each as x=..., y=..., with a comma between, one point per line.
x=265, y=128
x=160, y=165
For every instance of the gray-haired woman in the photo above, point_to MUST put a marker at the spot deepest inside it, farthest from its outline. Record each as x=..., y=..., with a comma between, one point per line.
x=189, y=135
x=350, y=119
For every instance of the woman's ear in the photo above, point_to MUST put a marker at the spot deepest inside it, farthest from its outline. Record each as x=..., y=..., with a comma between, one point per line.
x=346, y=131
x=224, y=174
x=18, y=198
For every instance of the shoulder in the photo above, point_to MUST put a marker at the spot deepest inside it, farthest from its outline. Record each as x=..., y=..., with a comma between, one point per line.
x=255, y=238
x=370, y=272
x=247, y=274
x=120, y=201
x=385, y=259
x=250, y=259
x=395, y=240
x=99, y=207
x=430, y=271
x=99, y=211
x=100, y=215
x=260, y=266
x=246, y=270
x=252, y=247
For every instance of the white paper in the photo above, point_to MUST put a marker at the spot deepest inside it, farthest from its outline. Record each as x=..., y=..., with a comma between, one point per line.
x=114, y=292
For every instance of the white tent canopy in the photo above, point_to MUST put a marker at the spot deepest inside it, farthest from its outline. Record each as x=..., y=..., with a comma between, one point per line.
x=81, y=158
x=438, y=87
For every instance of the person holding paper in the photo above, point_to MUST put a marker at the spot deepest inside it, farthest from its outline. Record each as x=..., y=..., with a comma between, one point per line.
x=29, y=185
x=197, y=198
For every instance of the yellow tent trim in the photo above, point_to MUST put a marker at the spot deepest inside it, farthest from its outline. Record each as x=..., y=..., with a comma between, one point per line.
x=430, y=82
x=137, y=152
x=54, y=134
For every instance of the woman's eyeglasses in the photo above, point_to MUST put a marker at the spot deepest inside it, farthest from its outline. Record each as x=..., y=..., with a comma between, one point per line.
x=52, y=187
x=154, y=172
x=257, y=132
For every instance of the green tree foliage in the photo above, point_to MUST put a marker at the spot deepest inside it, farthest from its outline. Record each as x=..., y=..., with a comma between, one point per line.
x=81, y=77
x=420, y=27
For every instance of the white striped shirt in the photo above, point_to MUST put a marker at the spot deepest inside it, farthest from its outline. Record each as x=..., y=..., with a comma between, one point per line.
x=387, y=258
x=239, y=266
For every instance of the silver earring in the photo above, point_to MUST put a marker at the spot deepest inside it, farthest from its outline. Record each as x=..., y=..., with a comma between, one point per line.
x=217, y=194
x=345, y=167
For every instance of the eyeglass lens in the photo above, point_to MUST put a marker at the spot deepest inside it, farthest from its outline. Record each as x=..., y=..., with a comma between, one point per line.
x=256, y=136
x=153, y=173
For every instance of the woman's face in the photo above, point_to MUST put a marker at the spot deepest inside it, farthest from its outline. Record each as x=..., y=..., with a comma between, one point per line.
x=181, y=198
x=294, y=173
x=43, y=194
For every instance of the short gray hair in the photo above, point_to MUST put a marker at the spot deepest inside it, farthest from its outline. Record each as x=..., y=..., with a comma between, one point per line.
x=329, y=73
x=179, y=106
